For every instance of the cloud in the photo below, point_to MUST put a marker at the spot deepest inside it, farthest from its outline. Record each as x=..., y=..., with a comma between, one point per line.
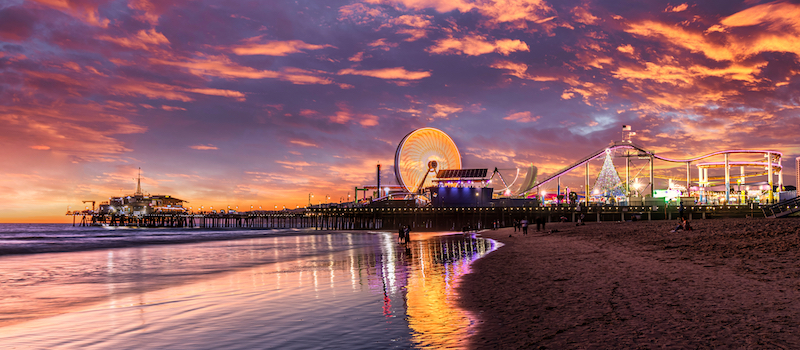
x=303, y=143
x=438, y=5
x=520, y=70
x=382, y=44
x=522, y=117
x=222, y=67
x=368, y=120
x=475, y=45
x=673, y=35
x=443, y=110
x=582, y=15
x=84, y=10
x=679, y=8
x=172, y=108
x=358, y=57
x=220, y=92
x=254, y=46
x=517, y=13
x=208, y=147
x=399, y=73
x=626, y=49
x=16, y=23
x=142, y=40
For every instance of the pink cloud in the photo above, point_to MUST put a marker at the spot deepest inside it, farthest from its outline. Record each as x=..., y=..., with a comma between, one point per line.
x=255, y=46
x=443, y=110
x=172, y=108
x=303, y=143
x=208, y=147
x=223, y=67
x=522, y=117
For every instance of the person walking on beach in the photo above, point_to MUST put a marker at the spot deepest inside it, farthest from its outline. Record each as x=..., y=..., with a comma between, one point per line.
x=401, y=234
x=407, y=234
x=524, y=225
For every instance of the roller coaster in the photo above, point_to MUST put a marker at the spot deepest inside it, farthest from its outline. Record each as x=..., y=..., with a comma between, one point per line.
x=771, y=162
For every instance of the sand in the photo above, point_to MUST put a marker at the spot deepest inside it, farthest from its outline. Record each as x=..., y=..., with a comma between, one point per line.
x=730, y=283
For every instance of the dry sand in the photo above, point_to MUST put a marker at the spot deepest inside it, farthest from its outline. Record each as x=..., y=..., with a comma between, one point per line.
x=730, y=283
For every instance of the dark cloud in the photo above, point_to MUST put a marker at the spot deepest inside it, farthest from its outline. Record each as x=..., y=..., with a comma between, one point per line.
x=16, y=23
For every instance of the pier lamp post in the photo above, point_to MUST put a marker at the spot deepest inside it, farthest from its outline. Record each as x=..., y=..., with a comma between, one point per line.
x=310, y=195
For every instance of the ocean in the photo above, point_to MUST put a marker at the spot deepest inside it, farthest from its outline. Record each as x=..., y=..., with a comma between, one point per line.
x=64, y=287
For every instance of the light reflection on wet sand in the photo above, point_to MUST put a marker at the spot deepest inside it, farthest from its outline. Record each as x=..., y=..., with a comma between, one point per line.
x=342, y=290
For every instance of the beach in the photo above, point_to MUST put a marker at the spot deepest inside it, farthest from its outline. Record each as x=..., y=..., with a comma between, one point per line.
x=729, y=283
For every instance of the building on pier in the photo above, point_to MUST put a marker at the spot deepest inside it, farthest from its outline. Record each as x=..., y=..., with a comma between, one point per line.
x=140, y=203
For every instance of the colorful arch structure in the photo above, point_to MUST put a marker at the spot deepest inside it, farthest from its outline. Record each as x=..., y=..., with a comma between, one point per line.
x=772, y=164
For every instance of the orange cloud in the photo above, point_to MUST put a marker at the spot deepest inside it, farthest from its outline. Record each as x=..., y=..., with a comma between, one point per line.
x=679, y=8
x=522, y=117
x=40, y=147
x=83, y=10
x=693, y=41
x=142, y=40
x=172, y=108
x=476, y=45
x=387, y=73
x=519, y=70
x=626, y=49
x=581, y=15
x=208, y=147
x=223, y=67
x=303, y=143
x=358, y=57
x=253, y=46
x=382, y=44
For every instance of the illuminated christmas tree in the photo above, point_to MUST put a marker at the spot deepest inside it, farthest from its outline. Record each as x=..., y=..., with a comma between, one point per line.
x=608, y=182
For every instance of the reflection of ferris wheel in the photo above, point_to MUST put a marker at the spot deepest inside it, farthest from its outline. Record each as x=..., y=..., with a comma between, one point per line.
x=421, y=153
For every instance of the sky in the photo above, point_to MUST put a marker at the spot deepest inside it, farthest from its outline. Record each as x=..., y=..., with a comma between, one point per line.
x=265, y=102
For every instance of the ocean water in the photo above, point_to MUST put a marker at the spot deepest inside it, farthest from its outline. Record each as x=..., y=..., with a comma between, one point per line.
x=201, y=289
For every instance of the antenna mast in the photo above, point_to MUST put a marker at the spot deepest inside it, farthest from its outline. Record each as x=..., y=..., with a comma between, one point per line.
x=139, y=183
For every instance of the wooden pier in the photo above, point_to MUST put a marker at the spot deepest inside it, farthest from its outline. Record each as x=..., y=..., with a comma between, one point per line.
x=456, y=219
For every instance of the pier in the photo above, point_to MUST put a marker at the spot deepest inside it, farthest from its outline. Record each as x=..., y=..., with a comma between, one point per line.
x=456, y=219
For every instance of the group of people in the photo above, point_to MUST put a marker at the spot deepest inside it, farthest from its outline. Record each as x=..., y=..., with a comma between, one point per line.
x=522, y=225
x=404, y=234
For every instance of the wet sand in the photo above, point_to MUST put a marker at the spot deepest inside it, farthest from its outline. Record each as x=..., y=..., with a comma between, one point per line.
x=730, y=283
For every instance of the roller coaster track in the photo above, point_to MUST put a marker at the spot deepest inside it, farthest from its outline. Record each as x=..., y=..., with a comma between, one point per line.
x=643, y=153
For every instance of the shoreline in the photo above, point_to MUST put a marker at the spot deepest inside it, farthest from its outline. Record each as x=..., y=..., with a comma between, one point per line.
x=727, y=283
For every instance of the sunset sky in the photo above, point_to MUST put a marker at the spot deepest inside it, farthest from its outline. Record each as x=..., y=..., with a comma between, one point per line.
x=263, y=102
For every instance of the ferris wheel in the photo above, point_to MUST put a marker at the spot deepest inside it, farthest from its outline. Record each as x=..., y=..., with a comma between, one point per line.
x=421, y=154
